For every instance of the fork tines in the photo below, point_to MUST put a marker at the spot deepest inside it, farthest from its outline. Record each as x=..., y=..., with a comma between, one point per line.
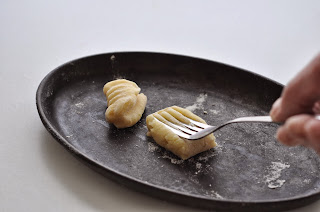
x=185, y=130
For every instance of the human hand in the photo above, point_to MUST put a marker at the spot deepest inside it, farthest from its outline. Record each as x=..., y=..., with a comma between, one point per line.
x=297, y=106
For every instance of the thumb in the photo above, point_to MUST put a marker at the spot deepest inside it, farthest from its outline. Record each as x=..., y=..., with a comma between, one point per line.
x=301, y=93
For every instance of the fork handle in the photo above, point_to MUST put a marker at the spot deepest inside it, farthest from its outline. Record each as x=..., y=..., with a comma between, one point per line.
x=258, y=119
x=265, y=119
x=211, y=129
x=252, y=119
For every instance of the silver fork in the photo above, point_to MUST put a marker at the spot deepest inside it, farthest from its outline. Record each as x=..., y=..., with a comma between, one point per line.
x=199, y=130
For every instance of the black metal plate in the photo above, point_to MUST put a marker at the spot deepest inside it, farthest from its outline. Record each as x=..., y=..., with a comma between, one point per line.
x=233, y=176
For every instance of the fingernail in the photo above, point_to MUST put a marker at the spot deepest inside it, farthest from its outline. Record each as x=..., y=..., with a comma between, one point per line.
x=275, y=109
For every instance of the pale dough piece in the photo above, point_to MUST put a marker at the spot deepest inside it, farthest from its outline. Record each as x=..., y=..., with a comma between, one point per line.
x=181, y=147
x=125, y=104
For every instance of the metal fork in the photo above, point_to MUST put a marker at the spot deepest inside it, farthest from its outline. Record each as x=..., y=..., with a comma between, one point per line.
x=199, y=130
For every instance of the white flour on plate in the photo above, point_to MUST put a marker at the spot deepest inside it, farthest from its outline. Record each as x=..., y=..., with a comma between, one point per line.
x=216, y=195
x=214, y=112
x=172, y=160
x=152, y=147
x=199, y=103
x=272, y=178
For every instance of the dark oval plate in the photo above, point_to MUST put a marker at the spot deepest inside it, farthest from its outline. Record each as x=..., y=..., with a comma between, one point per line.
x=248, y=170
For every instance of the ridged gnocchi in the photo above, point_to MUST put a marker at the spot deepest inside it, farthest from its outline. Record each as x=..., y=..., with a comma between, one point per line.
x=163, y=136
x=125, y=103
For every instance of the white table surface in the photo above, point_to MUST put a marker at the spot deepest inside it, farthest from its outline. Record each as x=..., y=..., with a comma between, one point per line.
x=272, y=38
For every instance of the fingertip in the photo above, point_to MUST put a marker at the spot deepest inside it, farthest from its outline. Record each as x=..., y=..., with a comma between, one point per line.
x=285, y=137
x=293, y=132
x=296, y=125
x=313, y=132
x=316, y=108
x=280, y=136
x=275, y=110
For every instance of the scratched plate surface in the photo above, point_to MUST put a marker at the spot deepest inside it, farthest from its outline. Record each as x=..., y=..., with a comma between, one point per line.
x=248, y=170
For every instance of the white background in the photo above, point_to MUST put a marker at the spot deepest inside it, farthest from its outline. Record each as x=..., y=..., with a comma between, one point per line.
x=272, y=38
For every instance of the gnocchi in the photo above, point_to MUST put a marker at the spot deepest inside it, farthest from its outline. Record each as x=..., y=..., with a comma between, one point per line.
x=163, y=136
x=125, y=103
